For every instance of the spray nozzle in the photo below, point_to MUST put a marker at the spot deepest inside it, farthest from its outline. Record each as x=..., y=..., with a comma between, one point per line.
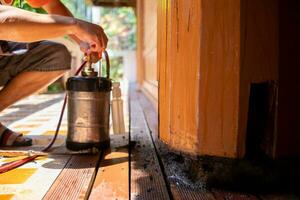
x=88, y=69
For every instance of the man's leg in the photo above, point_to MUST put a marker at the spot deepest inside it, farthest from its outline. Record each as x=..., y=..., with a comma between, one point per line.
x=25, y=84
x=39, y=67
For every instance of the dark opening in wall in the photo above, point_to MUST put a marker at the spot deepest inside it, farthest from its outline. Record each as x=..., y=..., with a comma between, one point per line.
x=261, y=120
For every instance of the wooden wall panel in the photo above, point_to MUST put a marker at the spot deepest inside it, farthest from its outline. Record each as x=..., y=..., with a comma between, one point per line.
x=163, y=36
x=179, y=73
x=184, y=67
x=140, y=44
x=219, y=77
x=147, y=47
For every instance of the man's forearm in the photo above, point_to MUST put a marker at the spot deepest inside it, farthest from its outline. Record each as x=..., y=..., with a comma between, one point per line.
x=58, y=8
x=23, y=26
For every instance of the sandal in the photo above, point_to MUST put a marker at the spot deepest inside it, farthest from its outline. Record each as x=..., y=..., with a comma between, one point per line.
x=8, y=138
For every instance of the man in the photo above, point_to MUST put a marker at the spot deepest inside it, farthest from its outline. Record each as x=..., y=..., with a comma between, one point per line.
x=23, y=72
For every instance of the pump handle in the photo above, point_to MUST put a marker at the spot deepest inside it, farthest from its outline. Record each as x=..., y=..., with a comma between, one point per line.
x=107, y=64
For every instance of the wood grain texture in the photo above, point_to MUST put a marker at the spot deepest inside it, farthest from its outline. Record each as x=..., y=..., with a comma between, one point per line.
x=112, y=179
x=184, y=69
x=182, y=193
x=146, y=177
x=140, y=44
x=163, y=36
x=199, y=78
x=219, y=77
x=147, y=46
x=210, y=51
x=179, y=74
x=25, y=181
x=178, y=191
x=74, y=180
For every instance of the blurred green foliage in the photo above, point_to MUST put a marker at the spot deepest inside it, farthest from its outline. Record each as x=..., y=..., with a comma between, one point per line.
x=116, y=69
x=77, y=7
x=24, y=5
x=120, y=26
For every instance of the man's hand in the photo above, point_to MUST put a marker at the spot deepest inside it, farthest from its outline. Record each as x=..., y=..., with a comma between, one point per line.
x=57, y=7
x=94, y=56
x=91, y=34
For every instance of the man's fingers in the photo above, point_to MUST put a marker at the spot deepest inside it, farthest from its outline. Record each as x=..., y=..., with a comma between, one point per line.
x=94, y=36
x=84, y=47
x=95, y=47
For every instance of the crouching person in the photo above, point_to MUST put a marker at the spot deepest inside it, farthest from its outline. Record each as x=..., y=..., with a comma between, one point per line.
x=28, y=62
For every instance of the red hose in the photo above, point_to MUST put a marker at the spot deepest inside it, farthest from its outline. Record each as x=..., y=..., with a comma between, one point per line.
x=18, y=163
x=61, y=113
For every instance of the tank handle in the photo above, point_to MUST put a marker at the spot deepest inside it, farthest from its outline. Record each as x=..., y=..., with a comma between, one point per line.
x=107, y=64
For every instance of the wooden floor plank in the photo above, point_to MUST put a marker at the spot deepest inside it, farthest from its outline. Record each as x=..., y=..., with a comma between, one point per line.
x=147, y=180
x=112, y=179
x=75, y=179
x=179, y=191
x=25, y=181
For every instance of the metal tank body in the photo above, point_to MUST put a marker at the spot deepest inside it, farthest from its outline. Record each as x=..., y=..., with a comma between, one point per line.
x=88, y=112
x=87, y=117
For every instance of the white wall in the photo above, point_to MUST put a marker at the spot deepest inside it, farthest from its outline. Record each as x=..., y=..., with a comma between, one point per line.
x=129, y=63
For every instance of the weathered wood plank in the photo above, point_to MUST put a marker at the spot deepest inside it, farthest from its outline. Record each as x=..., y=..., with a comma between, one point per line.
x=112, y=179
x=147, y=46
x=74, y=180
x=147, y=180
x=25, y=181
x=164, y=75
x=219, y=78
x=140, y=43
x=179, y=190
x=32, y=180
x=184, y=68
x=182, y=193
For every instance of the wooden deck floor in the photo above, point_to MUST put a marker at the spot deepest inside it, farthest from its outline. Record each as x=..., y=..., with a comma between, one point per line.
x=131, y=169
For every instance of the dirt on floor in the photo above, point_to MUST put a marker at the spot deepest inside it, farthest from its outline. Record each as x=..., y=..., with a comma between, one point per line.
x=254, y=176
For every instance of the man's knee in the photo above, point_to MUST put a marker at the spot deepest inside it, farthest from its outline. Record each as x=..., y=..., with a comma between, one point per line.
x=61, y=55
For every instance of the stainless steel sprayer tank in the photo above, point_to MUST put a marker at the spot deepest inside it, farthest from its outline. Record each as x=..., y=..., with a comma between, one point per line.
x=88, y=109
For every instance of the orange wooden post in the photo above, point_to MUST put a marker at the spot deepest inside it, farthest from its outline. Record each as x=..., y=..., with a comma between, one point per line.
x=199, y=82
x=210, y=52
x=208, y=55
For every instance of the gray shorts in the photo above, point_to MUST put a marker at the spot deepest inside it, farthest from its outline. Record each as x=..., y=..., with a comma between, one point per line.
x=41, y=56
